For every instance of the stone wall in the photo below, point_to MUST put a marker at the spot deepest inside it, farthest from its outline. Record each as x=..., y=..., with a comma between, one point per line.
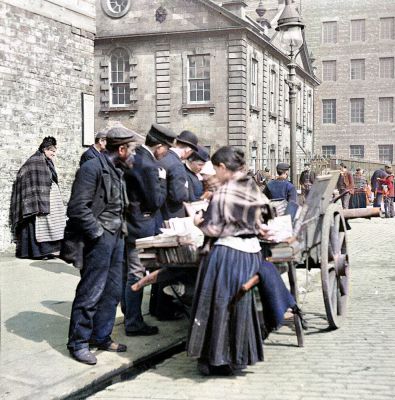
x=45, y=65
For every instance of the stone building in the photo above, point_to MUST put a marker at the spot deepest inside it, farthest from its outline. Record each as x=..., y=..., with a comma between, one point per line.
x=46, y=63
x=213, y=67
x=354, y=46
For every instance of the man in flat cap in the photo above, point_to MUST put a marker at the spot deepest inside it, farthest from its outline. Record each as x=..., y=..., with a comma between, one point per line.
x=177, y=182
x=193, y=165
x=97, y=148
x=96, y=213
x=281, y=187
x=147, y=191
x=306, y=180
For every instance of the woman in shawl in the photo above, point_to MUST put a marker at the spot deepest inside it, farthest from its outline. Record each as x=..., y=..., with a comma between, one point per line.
x=37, y=210
x=222, y=337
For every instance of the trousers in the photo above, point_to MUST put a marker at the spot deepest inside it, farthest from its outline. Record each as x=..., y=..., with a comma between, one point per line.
x=98, y=292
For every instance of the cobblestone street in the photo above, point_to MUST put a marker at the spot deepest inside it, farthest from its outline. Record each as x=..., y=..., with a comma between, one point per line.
x=354, y=362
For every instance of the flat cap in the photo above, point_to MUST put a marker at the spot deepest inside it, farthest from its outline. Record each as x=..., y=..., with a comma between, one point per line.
x=283, y=166
x=188, y=138
x=119, y=135
x=162, y=134
x=202, y=153
x=101, y=135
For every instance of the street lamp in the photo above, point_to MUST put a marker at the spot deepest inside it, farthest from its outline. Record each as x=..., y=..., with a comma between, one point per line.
x=290, y=28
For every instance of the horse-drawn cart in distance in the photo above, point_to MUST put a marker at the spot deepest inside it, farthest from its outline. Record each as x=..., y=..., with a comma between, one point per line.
x=319, y=240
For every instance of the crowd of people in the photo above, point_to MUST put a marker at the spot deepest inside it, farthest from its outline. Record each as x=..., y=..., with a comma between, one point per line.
x=124, y=191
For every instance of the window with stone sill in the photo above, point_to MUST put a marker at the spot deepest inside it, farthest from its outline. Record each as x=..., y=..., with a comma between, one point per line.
x=357, y=69
x=329, y=111
x=357, y=151
x=358, y=30
x=386, y=153
x=119, y=78
x=329, y=32
x=386, y=109
x=254, y=83
x=357, y=111
x=328, y=150
x=115, y=8
x=329, y=70
x=387, y=28
x=199, y=79
x=273, y=92
x=387, y=67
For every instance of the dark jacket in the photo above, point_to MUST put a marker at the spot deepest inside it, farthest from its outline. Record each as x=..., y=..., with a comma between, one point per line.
x=195, y=185
x=379, y=173
x=90, y=194
x=280, y=189
x=177, y=190
x=146, y=193
x=307, y=177
x=89, y=154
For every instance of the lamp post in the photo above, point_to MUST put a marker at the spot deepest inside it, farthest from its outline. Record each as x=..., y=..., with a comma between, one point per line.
x=290, y=28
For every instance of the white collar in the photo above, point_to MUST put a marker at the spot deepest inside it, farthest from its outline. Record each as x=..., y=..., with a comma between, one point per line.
x=149, y=150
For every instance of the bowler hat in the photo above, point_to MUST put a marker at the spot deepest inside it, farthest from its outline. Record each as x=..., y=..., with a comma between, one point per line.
x=120, y=135
x=162, y=134
x=201, y=154
x=188, y=138
x=283, y=166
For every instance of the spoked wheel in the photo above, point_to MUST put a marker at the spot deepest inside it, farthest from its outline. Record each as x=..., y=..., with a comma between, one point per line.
x=335, y=269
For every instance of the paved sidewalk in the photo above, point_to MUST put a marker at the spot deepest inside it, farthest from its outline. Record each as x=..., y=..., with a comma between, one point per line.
x=355, y=362
x=36, y=300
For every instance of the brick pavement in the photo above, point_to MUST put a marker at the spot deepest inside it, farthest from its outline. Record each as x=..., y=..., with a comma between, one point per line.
x=354, y=362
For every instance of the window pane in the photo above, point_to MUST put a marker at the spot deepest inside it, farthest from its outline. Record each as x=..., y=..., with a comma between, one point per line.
x=199, y=78
x=329, y=70
x=387, y=28
x=386, y=153
x=357, y=110
x=386, y=109
x=358, y=30
x=357, y=151
x=328, y=151
x=329, y=111
x=119, y=78
x=329, y=32
x=387, y=67
x=357, y=69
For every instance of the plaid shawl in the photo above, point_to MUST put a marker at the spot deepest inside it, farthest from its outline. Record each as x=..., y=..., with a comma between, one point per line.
x=235, y=208
x=30, y=193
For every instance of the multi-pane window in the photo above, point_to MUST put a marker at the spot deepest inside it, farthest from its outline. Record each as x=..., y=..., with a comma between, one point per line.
x=357, y=70
x=329, y=111
x=329, y=32
x=117, y=5
x=386, y=153
x=387, y=28
x=309, y=109
x=357, y=110
x=387, y=67
x=199, y=78
x=254, y=82
x=119, y=78
x=329, y=70
x=357, y=151
x=386, y=109
x=273, y=91
x=328, y=151
x=358, y=30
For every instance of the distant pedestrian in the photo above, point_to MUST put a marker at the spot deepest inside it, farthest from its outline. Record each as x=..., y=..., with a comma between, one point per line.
x=193, y=165
x=96, y=149
x=345, y=186
x=96, y=215
x=376, y=187
x=37, y=210
x=281, y=188
x=387, y=190
x=359, y=199
x=306, y=180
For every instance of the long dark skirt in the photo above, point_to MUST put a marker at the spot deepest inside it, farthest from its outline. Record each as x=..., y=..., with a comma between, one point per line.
x=220, y=335
x=27, y=245
x=358, y=200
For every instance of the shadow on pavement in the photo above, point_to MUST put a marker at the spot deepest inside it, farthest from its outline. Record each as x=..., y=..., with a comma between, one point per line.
x=60, y=307
x=58, y=267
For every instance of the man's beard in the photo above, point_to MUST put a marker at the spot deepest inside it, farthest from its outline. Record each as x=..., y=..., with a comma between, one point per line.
x=125, y=164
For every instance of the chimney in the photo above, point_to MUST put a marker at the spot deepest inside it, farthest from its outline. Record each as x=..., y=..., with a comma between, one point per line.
x=237, y=7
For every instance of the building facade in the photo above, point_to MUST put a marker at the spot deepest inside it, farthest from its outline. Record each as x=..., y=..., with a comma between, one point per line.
x=46, y=63
x=212, y=67
x=353, y=43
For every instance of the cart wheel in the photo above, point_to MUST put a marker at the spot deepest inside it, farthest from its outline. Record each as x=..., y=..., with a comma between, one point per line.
x=335, y=270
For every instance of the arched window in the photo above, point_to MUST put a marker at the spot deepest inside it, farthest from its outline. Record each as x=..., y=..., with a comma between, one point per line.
x=119, y=78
